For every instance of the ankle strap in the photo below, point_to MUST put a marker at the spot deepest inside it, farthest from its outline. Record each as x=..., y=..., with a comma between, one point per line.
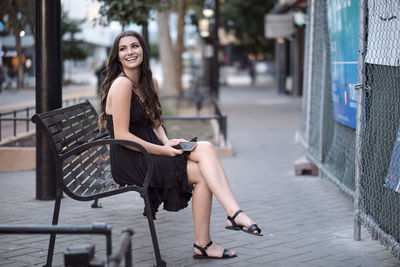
x=208, y=245
x=203, y=249
x=236, y=214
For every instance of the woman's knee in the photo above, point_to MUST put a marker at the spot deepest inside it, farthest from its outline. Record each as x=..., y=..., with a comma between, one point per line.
x=205, y=145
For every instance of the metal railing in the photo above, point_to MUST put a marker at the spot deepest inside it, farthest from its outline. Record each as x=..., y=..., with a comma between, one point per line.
x=19, y=120
x=13, y=116
x=94, y=229
x=124, y=252
x=200, y=100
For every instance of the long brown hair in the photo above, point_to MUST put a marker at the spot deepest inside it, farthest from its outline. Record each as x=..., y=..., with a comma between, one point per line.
x=114, y=69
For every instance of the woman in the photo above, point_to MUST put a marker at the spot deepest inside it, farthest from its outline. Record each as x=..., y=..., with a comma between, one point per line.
x=130, y=109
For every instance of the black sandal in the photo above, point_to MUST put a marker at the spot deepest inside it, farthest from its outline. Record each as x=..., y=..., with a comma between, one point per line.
x=237, y=227
x=225, y=254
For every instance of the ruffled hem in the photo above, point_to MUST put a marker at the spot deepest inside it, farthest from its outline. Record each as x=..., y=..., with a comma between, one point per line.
x=174, y=198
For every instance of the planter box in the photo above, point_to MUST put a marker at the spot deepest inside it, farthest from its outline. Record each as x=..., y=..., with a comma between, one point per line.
x=18, y=153
x=17, y=158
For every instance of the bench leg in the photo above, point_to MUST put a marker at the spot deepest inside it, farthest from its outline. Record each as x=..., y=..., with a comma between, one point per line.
x=96, y=204
x=55, y=222
x=160, y=262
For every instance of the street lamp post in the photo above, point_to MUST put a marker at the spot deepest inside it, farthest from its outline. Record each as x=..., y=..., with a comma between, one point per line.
x=48, y=88
x=215, y=64
x=209, y=31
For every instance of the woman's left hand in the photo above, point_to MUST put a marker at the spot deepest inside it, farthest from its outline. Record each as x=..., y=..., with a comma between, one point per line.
x=174, y=142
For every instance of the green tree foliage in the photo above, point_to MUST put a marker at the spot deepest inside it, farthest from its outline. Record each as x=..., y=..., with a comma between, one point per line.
x=16, y=15
x=71, y=47
x=246, y=18
x=126, y=11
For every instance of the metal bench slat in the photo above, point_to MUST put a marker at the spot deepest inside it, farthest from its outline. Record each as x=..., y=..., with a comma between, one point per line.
x=87, y=164
x=75, y=132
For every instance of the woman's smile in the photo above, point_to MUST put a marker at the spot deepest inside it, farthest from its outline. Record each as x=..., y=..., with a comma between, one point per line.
x=130, y=52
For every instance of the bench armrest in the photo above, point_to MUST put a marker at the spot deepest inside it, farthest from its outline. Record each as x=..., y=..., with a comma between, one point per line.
x=102, y=142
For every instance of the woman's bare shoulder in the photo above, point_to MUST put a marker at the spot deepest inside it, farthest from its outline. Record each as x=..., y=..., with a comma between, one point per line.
x=122, y=81
x=120, y=88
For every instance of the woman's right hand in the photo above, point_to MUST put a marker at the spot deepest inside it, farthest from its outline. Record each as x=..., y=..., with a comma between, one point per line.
x=169, y=149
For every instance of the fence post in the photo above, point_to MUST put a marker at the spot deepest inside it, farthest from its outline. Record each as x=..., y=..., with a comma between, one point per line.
x=325, y=90
x=27, y=122
x=15, y=123
x=309, y=74
x=360, y=105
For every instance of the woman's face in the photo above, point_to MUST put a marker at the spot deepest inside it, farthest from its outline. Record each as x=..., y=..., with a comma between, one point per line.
x=130, y=52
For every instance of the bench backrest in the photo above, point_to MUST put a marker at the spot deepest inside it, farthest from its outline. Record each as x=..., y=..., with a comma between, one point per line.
x=84, y=174
x=69, y=127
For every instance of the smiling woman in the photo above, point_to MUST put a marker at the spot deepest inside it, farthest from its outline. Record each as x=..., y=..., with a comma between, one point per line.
x=131, y=110
x=130, y=52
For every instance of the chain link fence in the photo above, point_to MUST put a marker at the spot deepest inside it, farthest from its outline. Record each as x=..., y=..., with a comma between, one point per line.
x=361, y=160
x=329, y=144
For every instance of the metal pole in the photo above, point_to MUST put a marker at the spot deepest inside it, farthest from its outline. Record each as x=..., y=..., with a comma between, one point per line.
x=214, y=60
x=15, y=123
x=27, y=122
x=360, y=105
x=322, y=116
x=48, y=88
x=325, y=62
x=309, y=74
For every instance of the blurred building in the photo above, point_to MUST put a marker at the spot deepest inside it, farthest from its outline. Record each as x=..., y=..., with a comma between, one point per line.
x=8, y=51
x=98, y=39
x=286, y=24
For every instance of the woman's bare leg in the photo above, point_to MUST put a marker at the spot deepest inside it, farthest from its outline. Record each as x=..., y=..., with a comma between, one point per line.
x=214, y=175
x=201, y=208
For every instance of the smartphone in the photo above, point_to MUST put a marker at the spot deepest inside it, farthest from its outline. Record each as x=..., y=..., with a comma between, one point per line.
x=186, y=146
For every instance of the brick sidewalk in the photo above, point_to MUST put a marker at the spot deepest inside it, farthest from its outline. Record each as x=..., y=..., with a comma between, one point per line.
x=306, y=220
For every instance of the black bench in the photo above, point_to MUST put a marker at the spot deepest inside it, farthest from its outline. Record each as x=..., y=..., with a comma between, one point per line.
x=82, y=162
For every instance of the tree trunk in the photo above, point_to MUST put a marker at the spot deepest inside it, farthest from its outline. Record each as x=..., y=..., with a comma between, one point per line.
x=20, y=80
x=170, y=85
x=145, y=33
x=179, y=43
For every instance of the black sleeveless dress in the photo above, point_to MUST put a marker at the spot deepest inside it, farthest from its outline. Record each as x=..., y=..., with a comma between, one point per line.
x=169, y=183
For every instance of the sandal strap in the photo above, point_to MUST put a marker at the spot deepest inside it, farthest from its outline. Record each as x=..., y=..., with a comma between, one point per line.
x=253, y=228
x=203, y=249
x=232, y=219
x=236, y=214
x=208, y=245
x=226, y=253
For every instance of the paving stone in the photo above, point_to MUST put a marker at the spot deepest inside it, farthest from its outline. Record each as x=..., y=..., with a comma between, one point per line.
x=25, y=259
x=310, y=256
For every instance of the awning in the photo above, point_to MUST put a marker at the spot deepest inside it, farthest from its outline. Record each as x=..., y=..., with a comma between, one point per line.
x=278, y=23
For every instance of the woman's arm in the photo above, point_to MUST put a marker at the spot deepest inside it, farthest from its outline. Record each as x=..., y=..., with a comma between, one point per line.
x=120, y=95
x=160, y=131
